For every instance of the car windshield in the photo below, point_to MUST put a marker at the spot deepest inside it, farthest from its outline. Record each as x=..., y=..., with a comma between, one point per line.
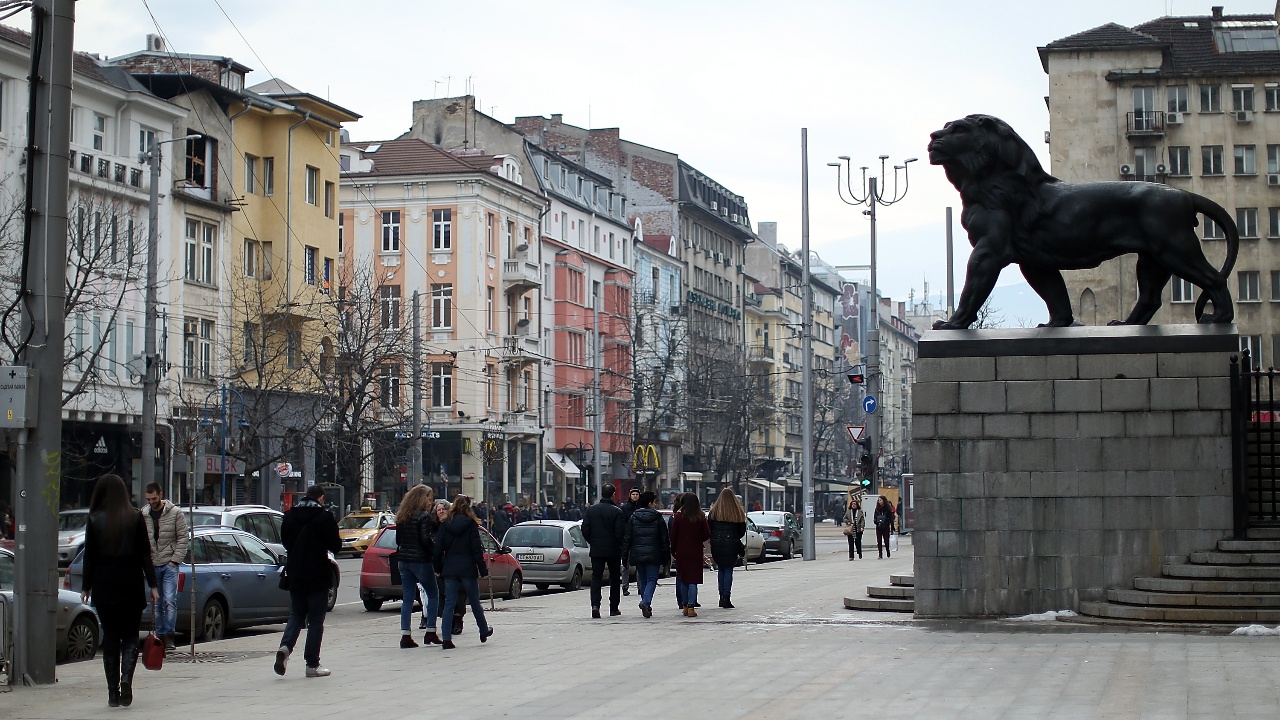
x=387, y=539
x=769, y=518
x=72, y=520
x=534, y=536
x=6, y=571
x=362, y=522
x=199, y=519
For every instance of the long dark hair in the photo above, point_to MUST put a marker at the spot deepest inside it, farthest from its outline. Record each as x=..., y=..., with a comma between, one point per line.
x=419, y=498
x=462, y=506
x=690, y=508
x=110, y=500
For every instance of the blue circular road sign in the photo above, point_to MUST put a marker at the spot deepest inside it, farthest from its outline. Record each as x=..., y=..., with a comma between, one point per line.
x=869, y=404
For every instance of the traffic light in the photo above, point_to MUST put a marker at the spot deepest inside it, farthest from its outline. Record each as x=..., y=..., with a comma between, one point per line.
x=856, y=377
x=864, y=469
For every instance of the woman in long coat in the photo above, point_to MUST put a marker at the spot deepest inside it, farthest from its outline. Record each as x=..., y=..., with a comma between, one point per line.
x=689, y=531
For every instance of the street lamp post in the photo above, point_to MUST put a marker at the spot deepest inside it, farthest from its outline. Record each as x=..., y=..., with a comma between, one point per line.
x=223, y=392
x=872, y=194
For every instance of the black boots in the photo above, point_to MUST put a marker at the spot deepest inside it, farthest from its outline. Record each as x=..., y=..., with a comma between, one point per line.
x=111, y=663
x=724, y=602
x=128, y=663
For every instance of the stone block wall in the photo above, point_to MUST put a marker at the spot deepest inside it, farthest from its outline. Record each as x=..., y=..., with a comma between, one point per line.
x=1053, y=463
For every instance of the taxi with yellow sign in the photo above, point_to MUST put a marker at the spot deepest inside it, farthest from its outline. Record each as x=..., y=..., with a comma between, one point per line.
x=358, y=529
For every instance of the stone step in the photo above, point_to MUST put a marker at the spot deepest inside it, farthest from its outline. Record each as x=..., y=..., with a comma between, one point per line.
x=880, y=605
x=1183, y=585
x=1234, y=558
x=1254, y=546
x=903, y=580
x=1234, y=572
x=891, y=592
x=1195, y=600
x=1263, y=533
x=1180, y=614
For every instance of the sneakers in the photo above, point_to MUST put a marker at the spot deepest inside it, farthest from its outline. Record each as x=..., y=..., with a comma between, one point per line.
x=318, y=671
x=282, y=659
x=406, y=641
x=484, y=636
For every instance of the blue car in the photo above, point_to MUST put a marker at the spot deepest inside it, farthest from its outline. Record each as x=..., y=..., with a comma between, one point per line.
x=236, y=580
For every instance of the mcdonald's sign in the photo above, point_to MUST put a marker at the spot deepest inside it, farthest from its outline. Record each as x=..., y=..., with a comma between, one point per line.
x=645, y=458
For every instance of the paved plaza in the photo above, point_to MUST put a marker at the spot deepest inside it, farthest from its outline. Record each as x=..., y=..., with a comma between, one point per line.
x=790, y=650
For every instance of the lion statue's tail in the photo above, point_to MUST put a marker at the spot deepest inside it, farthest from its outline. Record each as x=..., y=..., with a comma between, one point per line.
x=1215, y=212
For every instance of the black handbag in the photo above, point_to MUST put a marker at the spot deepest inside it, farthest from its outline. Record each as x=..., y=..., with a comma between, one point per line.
x=284, y=578
x=394, y=561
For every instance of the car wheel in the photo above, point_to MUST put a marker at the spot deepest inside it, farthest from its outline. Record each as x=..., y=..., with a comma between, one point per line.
x=333, y=594
x=82, y=639
x=786, y=551
x=575, y=582
x=213, y=621
x=371, y=603
x=542, y=586
x=517, y=587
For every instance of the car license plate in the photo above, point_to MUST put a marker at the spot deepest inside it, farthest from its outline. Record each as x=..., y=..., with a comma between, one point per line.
x=529, y=557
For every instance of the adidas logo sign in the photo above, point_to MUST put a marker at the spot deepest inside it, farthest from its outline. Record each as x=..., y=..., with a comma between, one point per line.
x=101, y=446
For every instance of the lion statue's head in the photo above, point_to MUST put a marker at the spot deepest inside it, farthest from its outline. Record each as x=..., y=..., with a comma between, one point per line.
x=977, y=147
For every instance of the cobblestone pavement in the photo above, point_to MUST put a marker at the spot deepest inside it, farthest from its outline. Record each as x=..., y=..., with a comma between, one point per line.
x=788, y=650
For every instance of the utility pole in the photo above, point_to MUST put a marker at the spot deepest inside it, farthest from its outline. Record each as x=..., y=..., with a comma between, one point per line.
x=806, y=352
x=415, y=455
x=39, y=476
x=596, y=400
x=150, y=379
x=951, y=274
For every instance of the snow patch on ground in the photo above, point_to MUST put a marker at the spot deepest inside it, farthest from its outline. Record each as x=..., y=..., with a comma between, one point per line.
x=1043, y=617
x=1256, y=630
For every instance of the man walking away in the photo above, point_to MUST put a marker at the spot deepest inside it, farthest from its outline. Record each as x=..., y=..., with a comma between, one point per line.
x=646, y=542
x=602, y=527
x=309, y=533
x=629, y=507
x=167, y=530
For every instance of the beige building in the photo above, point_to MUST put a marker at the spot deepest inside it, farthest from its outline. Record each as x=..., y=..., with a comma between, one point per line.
x=1193, y=102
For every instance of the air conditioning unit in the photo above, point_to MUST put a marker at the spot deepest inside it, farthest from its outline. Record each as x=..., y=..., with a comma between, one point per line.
x=1126, y=170
x=1243, y=116
x=724, y=212
x=1173, y=118
x=719, y=257
x=1273, y=179
x=1162, y=169
x=1046, y=137
x=548, y=477
x=714, y=206
x=736, y=217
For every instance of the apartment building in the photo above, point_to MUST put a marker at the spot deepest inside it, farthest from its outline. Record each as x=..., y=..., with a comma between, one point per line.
x=661, y=358
x=1192, y=102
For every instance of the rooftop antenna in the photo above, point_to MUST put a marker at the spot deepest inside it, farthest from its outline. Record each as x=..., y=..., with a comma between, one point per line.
x=435, y=91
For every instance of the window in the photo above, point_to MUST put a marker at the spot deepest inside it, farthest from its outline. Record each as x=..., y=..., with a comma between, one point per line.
x=250, y=173
x=268, y=176
x=1273, y=222
x=441, y=229
x=441, y=306
x=488, y=232
x=574, y=280
x=1211, y=160
x=198, y=252
x=577, y=407
x=1180, y=161
x=1273, y=159
x=99, y=132
x=1242, y=98
x=1144, y=165
x=327, y=277
x=313, y=181
x=612, y=244
x=441, y=384
x=564, y=176
x=390, y=385
x=206, y=348
x=198, y=160
x=489, y=309
x=328, y=199
x=1144, y=108
x=1183, y=291
x=511, y=238
x=1210, y=99
x=389, y=297
x=564, y=227
x=1212, y=230
x=1252, y=344
x=190, y=251
x=595, y=239
x=190, y=344
x=1244, y=160
x=251, y=344
x=1248, y=283
x=1272, y=91
x=309, y=264
x=250, y=257
x=293, y=348
x=342, y=231
x=390, y=231
x=576, y=350
x=1177, y=98
x=579, y=187
x=1247, y=222
x=1275, y=286
x=265, y=273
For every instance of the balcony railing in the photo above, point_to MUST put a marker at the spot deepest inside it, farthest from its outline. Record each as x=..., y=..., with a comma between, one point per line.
x=1145, y=123
x=108, y=168
x=762, y=353
x=520, y=275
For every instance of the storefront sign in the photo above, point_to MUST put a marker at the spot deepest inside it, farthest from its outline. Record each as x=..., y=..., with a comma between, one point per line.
x=215, y=464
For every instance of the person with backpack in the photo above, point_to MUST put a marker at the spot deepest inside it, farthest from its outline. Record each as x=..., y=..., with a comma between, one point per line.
x=459, y=558
x=309, y=533
x=416, y=527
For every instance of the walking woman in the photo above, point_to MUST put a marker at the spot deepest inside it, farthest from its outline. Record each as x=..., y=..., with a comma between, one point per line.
x=688, y=532
x=441, y=513
x=416, y=527
x=645, y=541
x=728, y=524
x=117, y=561
x=459, y=557
x=883, y=518
x=855, y=521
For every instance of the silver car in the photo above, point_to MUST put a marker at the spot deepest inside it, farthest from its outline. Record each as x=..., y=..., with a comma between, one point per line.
x=76, y=625
x=71, y=529
x=551, y=552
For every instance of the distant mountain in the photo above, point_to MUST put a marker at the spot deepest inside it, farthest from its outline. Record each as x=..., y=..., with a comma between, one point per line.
x=1017, y=305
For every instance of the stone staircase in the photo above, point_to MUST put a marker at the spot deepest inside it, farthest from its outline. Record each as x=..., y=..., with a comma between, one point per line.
x=1238, y=583
x=898, y=596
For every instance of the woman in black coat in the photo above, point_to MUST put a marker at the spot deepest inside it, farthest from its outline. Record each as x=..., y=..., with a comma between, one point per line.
x=728, y=523
x=459, y=558
x=647, y=545
x=117, y=561
x=883, y=518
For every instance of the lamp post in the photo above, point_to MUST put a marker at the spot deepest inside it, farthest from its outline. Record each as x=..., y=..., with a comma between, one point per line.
x=871, y=194
x=223, y=392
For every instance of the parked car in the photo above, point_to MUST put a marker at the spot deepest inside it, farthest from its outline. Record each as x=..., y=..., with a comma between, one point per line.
x=781, y=531
x=257, y=520
x=237, y=583
x=754, y=541
x=506, y=577
x=552, y=552
x=77, y=626
x=359, y=529
x=71, y=529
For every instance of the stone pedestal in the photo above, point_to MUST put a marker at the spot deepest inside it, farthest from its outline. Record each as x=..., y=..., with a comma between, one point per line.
x=1053, y=463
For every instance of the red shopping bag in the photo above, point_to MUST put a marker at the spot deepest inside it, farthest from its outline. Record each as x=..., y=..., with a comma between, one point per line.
x=152, y=652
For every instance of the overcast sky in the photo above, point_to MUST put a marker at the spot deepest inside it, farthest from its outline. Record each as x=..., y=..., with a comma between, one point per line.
x=726, y=84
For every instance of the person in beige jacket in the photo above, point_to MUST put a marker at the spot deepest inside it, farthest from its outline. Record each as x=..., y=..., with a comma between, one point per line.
x=167, y=531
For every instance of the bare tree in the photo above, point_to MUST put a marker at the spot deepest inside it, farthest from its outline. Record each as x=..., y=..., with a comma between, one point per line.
x=989, y=316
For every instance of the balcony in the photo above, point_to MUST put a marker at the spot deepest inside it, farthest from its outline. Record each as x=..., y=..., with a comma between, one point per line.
x=520, y=275
x=521, y=349
x=1144, y=123
x=761, y=353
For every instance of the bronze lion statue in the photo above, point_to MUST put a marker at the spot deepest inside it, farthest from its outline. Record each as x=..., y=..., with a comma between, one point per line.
x=1015, y=212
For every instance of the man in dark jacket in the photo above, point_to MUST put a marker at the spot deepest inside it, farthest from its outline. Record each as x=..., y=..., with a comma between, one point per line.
x=309, y=533
x=628, y=507
x=602, y=527
x=647, y=543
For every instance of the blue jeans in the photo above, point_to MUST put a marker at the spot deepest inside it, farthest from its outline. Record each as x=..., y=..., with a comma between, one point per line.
x=724, y=575
x=309, y=609
x=646, y=583
x=686, y=593
x=471, y=586
x=411, y=575
x=165, y=611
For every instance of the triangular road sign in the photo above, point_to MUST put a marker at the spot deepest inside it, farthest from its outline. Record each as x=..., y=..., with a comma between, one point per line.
x=855, y=431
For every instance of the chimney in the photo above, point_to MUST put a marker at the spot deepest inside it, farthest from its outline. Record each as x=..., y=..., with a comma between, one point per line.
x=1217, y=12
x=557, y=119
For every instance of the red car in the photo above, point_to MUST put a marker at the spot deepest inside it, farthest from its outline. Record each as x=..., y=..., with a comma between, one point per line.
x=506, y=577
